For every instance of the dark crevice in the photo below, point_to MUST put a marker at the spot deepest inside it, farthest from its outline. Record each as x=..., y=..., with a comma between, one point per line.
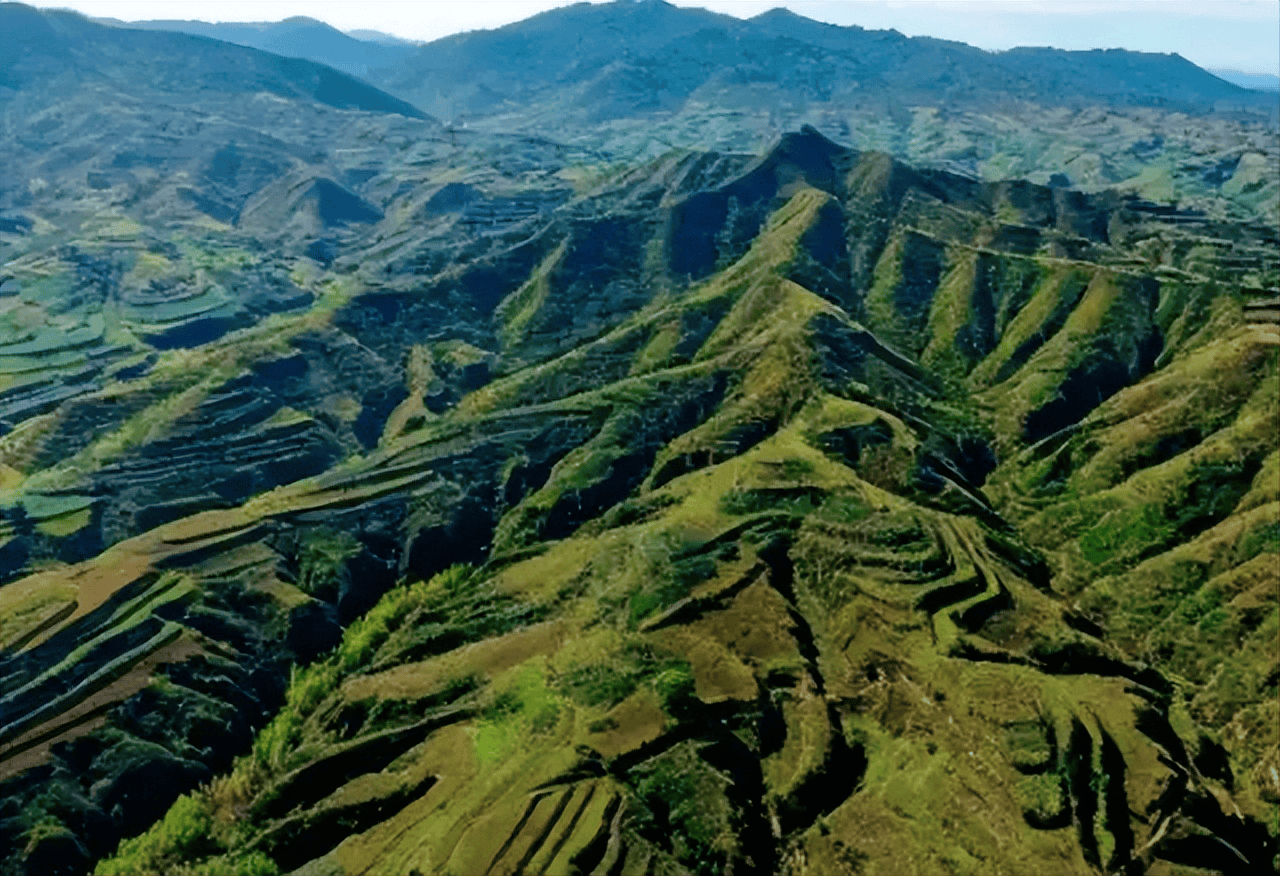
x=1078, y=766
x=771, y=725
x=536, y=845
x=731, y=756
x=1087, y=658
x=530, y=805
x=569, y=828
x=782, y=573
x=592, y=855
x=1069, y=297
x=322, y=776
x=935, y=600
x=976, y=615
x=827, y=787
x=1116, y=803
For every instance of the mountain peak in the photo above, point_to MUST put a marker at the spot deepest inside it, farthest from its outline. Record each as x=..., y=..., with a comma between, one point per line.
x=159, y=50
x=810, y=153
x=777, y=13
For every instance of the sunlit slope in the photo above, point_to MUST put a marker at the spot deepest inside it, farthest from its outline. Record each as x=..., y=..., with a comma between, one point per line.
x=793, y=560
x=636, y=79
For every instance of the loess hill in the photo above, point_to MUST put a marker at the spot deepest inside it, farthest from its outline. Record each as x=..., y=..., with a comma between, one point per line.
x=635, y=79
x=806, y=513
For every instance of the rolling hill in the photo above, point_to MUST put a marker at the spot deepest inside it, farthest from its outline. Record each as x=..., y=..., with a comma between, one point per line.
x=384, y=496
x=806, y=472
x=636, y=79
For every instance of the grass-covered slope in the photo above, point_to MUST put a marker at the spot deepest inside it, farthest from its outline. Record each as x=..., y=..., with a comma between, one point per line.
x=635, y=79
x=856, y=519
x=60, y=49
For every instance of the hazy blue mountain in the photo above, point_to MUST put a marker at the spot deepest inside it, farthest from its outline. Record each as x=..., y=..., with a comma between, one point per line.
x=635, y=79
x=1258, y=81
x=678, y=52
x=46, y=51
x=377, y=36
x=297, y=37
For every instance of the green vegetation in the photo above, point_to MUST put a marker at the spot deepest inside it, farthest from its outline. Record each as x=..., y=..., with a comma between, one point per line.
x=747, y=591
x=673, y=586
x=522, y=705
x=185, y=834
x=322, y=559
x=310, y=686
x=690, y=799
x=363, y=638
x=197, y=829
x=1142, y=527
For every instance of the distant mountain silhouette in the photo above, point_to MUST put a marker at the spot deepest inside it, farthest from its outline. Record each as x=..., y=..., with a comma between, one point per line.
x=637, y=79
x=297, y=37
x=1258, y=81
x=51, y=50
x=602, y=60
x=377, y=36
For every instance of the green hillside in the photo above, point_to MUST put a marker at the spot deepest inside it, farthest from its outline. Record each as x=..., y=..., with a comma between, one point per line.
x=879, y=519
x=382, y=496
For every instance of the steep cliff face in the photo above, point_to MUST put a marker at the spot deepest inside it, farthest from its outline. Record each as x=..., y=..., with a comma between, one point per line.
x=803, y=514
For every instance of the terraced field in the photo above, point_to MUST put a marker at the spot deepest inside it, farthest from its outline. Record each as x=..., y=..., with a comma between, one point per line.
x=804, y=514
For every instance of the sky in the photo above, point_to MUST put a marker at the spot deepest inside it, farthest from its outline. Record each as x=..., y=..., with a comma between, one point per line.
x=1227, y=34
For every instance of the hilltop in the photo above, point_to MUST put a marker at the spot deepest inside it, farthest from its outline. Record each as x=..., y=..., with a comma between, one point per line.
x=383, y=495
x=358, y=54
x=808, y=471
x=635, y=79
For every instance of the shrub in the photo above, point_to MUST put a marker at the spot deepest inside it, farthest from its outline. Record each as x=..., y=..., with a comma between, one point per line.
x=322, y=561
x=677, y=689
x=1139, y=526
x=183, y=833
x=367, y=634
x=1042, y=795
x=601, y=684
x=187, y=831
x=687, y=807
x=253, y=864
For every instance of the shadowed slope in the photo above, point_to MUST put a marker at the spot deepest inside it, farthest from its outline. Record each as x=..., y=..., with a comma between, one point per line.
x=741, y=593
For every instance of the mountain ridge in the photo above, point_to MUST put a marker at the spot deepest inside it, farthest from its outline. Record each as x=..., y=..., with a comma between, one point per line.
x=384, y=496
x=816, y=424
x=298, y=36
x=79, y=45
x=847, y=38
x=633, y=80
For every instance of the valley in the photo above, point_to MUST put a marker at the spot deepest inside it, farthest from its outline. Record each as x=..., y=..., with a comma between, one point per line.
x=386, y=496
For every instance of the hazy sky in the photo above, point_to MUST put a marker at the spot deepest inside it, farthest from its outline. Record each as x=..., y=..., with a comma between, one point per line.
x=1239, y=34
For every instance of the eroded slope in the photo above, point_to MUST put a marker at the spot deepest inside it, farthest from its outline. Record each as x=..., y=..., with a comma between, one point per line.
x=832, y=529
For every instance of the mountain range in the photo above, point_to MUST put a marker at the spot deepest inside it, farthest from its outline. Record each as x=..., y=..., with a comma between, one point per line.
x=358, y=54
x=389, y=488
x=1259, y=81
x=635, y=79
x=361, y=52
